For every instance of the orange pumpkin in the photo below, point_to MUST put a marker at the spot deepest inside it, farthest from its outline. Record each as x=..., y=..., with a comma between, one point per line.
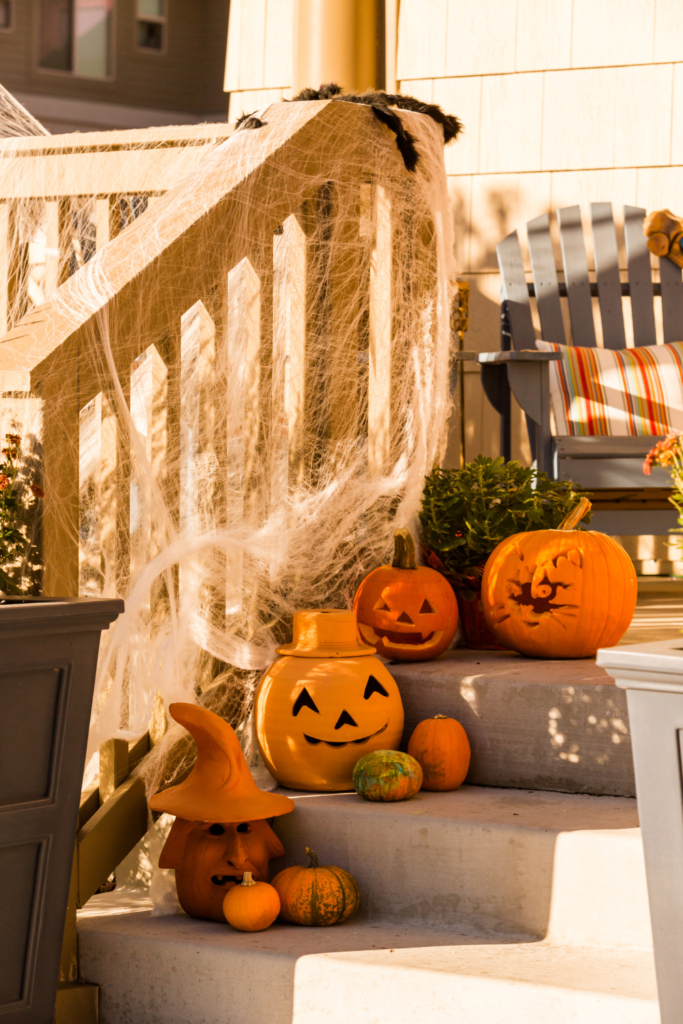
x=251, y=906
x=441, y=748
x=408, y=612
x=559, y=593
x=325, y=704
x=316, y=895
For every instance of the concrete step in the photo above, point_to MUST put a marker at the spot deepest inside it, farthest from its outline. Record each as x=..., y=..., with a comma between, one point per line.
x=548, y=725
x=175, y=970
x=485, y=861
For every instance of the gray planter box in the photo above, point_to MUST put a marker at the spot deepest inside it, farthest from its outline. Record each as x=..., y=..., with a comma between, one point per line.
x=652, y=675
x=48, y=658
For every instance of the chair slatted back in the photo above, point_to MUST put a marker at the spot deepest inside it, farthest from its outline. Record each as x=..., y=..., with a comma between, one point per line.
x=578, y=288
x=576, y=276
x=639, y=277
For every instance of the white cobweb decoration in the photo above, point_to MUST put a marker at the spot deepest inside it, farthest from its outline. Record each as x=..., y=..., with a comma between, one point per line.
x=252, y=381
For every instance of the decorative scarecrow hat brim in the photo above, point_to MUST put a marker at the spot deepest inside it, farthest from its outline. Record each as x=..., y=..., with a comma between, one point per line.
x=220, y=786
x=326, y=634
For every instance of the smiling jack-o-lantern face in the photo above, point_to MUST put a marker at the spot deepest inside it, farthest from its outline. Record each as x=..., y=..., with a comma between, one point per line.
x=316, y=716
x=408, y=612
x=211, y=857
x=558, y=593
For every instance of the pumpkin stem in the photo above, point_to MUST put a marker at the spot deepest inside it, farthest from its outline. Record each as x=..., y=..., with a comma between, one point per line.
x=313, y=856
x=571, y=521
x=404, y=550
x=440, y=716
x=247, y=879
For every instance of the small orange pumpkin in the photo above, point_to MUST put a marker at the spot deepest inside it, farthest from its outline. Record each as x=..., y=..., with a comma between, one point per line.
x=441, y=748
x=559, y=593
x=251, y=906
x=408, y=612
x=316, y=895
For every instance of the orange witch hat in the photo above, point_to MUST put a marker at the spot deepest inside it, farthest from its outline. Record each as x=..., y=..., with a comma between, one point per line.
x=220, y=786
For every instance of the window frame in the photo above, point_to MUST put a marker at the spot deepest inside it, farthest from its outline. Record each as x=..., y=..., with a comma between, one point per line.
x=60, y=72
x=12, y=18
x=151, y=19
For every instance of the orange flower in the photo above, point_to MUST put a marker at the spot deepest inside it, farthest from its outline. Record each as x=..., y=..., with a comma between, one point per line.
x=664, y=453
x=13, y=439
x=38, y=491
x=4, y=481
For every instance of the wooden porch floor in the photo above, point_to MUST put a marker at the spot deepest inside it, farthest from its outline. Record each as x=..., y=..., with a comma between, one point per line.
x=659, y=612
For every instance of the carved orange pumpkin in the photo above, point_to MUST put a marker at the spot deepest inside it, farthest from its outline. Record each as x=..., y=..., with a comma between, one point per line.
x=559, y=593
x=210, y=858
x=408, y=612
x=316, y=895
x=322, y=707
x=441, y=748
x=220, y=832
x=251, y=906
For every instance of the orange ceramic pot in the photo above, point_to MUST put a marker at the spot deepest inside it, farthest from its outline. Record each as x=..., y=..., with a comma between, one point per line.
x=324, y=704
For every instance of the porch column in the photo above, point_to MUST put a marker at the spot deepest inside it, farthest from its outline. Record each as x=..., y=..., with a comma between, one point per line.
x=338, y=41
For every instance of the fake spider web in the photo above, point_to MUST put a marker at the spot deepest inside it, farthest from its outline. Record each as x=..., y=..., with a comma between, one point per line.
x=287, y=392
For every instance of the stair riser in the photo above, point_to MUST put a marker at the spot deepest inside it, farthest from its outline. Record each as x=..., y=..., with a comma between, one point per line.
x=175, y=971
x=143, y=982
x=531, y=725
x=417, y=869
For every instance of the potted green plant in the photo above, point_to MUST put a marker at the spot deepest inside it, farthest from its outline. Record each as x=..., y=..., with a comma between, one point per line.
x=467, y=512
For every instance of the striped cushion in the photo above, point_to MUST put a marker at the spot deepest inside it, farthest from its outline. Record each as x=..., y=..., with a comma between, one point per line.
x=629, y=391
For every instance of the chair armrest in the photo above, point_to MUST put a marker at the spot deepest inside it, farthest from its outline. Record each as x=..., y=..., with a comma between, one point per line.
x=525, y=355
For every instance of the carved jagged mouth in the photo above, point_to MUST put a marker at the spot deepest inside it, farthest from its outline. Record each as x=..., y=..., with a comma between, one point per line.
x=224, y=879
x=344, y=743
x=373, y=634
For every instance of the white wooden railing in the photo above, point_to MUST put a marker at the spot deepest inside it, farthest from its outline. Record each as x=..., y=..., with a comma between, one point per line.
x=64, y=197
x=199, y=321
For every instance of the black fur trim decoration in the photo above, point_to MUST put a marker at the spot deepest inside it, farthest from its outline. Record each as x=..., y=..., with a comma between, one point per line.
x=381, y=103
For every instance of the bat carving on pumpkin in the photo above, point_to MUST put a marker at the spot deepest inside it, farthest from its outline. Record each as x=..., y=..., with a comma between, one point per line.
x=220, y=831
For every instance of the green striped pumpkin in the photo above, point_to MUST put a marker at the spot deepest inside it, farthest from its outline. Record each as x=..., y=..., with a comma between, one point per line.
x=387, y=775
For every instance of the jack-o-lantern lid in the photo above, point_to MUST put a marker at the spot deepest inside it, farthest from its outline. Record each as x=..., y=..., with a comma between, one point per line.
x=326, y=634
x=220, y=786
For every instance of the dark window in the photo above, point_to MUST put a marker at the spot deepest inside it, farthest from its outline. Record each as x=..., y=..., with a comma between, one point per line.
x=151, y=25
x=5, y=14
x=75, y=36
x=56, y=34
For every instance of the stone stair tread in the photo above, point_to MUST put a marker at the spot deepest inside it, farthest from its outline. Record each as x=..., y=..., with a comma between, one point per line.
x=533, y=724
x=177, y=970
x=485, y=860
x=490, y=805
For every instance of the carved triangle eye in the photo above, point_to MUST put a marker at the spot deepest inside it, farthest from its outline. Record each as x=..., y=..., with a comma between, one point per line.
x=304, y=700
x=374, y=686
x=426, y=608
x=381, y=606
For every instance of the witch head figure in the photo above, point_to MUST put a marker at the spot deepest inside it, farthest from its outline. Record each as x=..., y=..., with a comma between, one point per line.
x=220, y=829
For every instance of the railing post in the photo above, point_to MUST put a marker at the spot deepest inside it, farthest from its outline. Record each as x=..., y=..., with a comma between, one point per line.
x=242, y=380
x=379, y=380
x=4, y=267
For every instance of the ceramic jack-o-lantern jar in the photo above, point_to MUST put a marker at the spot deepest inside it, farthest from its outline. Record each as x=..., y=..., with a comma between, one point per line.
x=324, y=704
x=559, y=593
x=220, y=832
x=408, y=612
